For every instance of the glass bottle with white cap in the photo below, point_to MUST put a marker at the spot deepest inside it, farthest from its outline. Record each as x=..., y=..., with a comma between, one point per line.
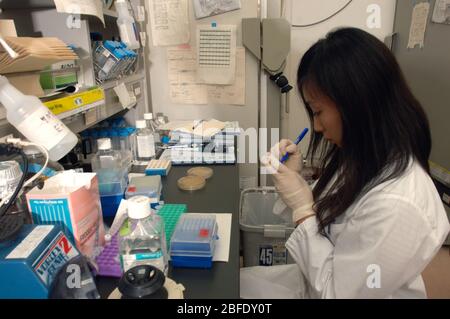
x=152, y=126
x=142, y=237
x=144, y=142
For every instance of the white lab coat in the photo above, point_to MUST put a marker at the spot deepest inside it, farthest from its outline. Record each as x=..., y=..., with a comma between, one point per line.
x=377, y=249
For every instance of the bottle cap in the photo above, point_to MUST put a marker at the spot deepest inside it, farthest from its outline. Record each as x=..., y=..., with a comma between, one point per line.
x=141, y=124
x=139, y=207
x=104, y=144
x=148, y=116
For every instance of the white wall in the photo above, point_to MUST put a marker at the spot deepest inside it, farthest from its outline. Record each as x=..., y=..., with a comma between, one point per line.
x=246, y=115
x=303, y=12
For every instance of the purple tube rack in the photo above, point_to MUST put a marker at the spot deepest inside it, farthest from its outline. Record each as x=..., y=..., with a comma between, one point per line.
x=109, y=260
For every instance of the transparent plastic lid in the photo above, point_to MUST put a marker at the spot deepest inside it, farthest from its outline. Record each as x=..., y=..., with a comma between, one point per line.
x=10, y=174
x=194, y=235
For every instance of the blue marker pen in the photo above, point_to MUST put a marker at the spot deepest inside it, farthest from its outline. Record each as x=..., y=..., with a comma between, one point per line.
x=299, y=139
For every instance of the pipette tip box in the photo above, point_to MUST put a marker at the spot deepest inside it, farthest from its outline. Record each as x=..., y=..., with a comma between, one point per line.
x=193, y=241
x=158, y=167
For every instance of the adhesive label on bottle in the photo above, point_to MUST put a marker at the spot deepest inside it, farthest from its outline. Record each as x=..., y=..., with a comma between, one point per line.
x=44, y=128
x=145, y=146
x=155, y=259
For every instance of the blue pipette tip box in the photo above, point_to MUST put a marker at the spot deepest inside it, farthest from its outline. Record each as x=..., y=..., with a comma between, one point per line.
x=193, y=241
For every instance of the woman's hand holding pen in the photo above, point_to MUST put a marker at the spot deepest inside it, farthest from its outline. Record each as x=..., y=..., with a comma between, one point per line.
x=291, y=186
x=295, y=159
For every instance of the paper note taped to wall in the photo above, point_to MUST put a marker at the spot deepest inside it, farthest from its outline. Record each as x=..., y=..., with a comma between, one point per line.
x=183, y=86
x=216, y=56
x=418, y=25
x=441, y=12
x=169, y=21
x=207, y=8
x=90, y=7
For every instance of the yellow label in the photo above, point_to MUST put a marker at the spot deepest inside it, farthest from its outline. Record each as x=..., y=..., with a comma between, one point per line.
x=76, y=101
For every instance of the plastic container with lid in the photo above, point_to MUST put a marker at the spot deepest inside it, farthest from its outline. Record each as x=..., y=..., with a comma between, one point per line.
x=112, y=176
x=193, y=241
x=205, y=172
x=127, y=25
x=149, y=186
x=10, y=174
x=191, y=183
x=142, y=237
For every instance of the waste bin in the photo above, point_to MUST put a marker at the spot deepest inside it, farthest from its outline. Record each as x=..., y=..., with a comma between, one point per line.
x=263, y=234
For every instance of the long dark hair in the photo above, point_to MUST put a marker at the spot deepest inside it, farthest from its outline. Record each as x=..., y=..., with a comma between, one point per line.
x=384, y=126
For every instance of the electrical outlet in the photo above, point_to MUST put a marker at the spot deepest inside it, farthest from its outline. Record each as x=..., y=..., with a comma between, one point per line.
x=4, y=138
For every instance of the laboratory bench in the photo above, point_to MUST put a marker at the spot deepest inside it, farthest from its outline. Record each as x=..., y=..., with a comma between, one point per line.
x=220, y=195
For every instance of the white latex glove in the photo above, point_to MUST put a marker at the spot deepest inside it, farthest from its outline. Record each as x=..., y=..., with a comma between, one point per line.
x=293, y=189
x=295, y=160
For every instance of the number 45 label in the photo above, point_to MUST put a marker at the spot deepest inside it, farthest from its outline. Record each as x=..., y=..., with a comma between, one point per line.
x=270, y=255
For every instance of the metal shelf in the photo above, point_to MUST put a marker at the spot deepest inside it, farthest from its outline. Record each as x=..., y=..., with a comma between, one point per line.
x=77, y=122
x=42, y=4
x=128, y=79
x=27, y=4
x=24, y=11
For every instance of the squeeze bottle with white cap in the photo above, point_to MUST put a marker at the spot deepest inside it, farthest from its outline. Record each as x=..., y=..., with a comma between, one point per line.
x=127, y=25
x=35, y=121
x=142, y=237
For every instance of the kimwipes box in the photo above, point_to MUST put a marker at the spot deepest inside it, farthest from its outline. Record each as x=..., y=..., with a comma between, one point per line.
x=71, y=200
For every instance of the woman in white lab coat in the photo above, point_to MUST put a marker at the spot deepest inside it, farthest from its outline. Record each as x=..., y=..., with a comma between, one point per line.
x=374, y=219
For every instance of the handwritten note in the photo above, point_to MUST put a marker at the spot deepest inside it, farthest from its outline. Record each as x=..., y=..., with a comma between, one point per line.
x=206, y=8
x=169, y=21
x=441, y=13
x=184, y=88
x=418, y=25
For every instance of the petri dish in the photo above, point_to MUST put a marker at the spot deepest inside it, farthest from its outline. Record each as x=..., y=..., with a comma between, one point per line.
x=191, y=183
x=204, y=172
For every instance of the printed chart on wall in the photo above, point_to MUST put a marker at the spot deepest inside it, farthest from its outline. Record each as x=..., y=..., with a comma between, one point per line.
x=183, y=85
x=169, y=21
x=216, y=61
